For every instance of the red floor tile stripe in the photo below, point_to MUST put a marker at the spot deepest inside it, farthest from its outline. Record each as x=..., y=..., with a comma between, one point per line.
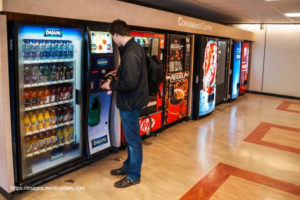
x=284, y=106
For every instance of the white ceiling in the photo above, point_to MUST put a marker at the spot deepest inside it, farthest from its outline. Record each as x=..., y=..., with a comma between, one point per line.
x=230, y=11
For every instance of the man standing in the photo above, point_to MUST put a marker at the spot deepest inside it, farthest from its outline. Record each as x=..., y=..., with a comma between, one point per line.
x=132, y=94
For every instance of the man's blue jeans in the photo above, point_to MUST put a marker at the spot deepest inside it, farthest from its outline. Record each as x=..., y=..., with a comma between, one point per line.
x=130, y=123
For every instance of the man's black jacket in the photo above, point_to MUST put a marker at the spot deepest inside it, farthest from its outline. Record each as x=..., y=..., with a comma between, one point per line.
x=132, y=84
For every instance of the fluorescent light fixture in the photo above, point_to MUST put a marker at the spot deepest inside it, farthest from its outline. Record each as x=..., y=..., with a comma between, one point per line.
x=292, y=14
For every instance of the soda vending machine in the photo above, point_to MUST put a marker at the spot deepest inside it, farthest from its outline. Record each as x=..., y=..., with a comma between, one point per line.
x=205, y=68
x=151, y=114
x=46, y=101
x=222, y=75
x=244, y=67
x=235, y=70
x=100, y=64
x=177, y=75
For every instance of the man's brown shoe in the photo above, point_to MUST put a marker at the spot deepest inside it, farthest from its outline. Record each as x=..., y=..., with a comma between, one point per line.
x=117, y=172
x=125, y=182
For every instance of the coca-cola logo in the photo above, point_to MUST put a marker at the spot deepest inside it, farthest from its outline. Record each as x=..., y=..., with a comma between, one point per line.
x=145, y=124
x=176, y=77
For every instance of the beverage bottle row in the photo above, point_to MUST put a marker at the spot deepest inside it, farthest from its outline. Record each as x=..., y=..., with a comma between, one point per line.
x=53, y=94
x=39, y=73
x=46, y=118
x=47, y=49
x=48, y=140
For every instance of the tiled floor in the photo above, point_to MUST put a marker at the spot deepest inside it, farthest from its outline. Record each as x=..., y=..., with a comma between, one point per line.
x=182, y=157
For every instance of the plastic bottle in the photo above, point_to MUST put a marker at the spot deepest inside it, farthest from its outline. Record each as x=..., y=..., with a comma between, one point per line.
x=59, y=50
x=35, y=145
x=58, y=94
x=58, y=72
x=65, y=93
x=32, y=50
x=52, y=116
x=47, y=118
x=41, y=97
x=65, y=113
x=71, y=133
x=28, y=145
x=53, y=72
x=34, y=73
x=47, y=72
x=54, y=49
x=26, y=49
x=64, y=49
x=71, y=72
x=58, y=115
x=71, y=91
x=53, y=94
x=54, y=138
x=35, y=49
x=47, y=96
x=41, y=73
x=42, y=142
x=71, y=112
x=66, y=134
x=33, y=121
x=27, y=74
x=41, y=55
x=34, y=98
x=60, y=137
x=40, y=118
x=64, y=72
x=27, y=98
x=48, y=140
x=47, y=52
x=27, y=123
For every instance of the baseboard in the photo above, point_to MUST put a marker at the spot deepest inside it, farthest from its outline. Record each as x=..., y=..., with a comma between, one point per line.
x=274, y=95
x=7, y=195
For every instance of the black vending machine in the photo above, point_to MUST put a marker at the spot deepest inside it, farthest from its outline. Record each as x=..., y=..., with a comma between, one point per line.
x=100, y=61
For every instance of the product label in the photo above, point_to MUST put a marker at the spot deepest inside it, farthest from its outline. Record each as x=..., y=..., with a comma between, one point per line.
x=99, y=141
x=57, y=155
x=53, y=33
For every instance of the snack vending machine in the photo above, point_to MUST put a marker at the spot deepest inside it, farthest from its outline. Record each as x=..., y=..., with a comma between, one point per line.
x=222, y=75
x=100, y=64
x=235, y=70
x=46, y=101
x=151, y=115
x=177, y=75
x=205, y=68
x=244, y=67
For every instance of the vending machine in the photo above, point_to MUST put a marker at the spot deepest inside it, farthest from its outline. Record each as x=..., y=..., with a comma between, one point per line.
x=177, y=75
x=100, y=64
x=235, y=70
x=151, y=115
x=222, y=75
x=46, y=99
x=205, y=68
x=244, y=67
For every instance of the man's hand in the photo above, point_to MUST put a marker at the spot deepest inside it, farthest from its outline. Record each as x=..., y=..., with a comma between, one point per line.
x=105, y=85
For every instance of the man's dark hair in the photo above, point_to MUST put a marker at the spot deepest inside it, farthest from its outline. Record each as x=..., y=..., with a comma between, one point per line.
x=119, y=27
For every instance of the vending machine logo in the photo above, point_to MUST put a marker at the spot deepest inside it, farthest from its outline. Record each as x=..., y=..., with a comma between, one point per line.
x=102, y=62
x=53, y=33
x=176, y=77
x=57, y=155
x=145, y=124
x=99, y=141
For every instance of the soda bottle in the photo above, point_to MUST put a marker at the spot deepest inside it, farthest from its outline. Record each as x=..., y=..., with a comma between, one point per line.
x=47, y=72
x=70, y=49
x=26, y=49
x=47, y=51
x=27, y=123
x=67, y=73
x=71, y=72
x=33, y=121
x=54, y=49
x=53, y=116
x=54, y=139
x=71, y=112
x=60, y=137
x=48, y=140
x=34, y=73
x=59, y=115
x=64, y=49
x=41, y=73
x=41, y=97
x=65, y=113
x=71, y=132
x=65, y=93
x=34, y=98
x=28, y=146
x=64, y=72
x=47, y=118
x=35, y=145
x=58, y=94
x=53, y=95
x=42, y=142
x=27, y=74
x=66, y=134
x=47, y=96
x=59, y=50
x=53, y=72
x=40, y=118
x=42, y=49
x=71, y=92
x=58, y=72
x=27, y=98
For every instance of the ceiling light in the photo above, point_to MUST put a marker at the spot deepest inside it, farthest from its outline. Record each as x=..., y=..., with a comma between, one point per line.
x=292, y=14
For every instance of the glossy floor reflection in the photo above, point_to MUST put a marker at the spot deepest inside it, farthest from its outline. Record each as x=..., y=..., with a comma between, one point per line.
x=179, y=157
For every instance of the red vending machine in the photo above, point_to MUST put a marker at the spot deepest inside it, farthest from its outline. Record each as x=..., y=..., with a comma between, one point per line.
x=244, y=67
x=177, y=74
x=151, y=114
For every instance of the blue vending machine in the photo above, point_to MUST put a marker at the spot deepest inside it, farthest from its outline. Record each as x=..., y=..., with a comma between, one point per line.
x=235, y=70
x=100, y=64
